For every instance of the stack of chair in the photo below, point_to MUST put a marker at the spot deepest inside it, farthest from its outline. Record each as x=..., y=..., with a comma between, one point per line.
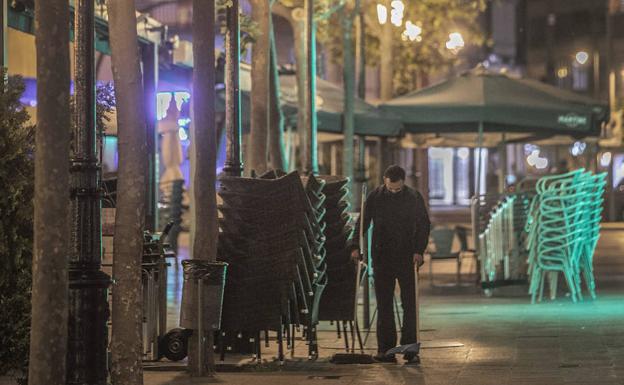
x=271, y=237
x=563, y=232
x=497, y=240
x=337, y=303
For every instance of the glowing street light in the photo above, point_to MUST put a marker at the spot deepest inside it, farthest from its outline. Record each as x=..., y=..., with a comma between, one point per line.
x=412, y=32
x=581, y=57
x=536, y=161
x=382, y=14
x=455, y=42
x=463, y=153
x=397, y=9
x=605, y=159
x=396, y=13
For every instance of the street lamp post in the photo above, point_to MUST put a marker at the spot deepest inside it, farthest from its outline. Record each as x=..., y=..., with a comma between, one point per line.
x=233, y=163
x=310, y=146
x=88, y=305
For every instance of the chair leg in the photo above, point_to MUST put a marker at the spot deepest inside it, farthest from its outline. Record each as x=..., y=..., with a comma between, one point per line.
x=541, y=287
x=553, y=278
x=571, y=284
x=534, y=285
x=346, y=335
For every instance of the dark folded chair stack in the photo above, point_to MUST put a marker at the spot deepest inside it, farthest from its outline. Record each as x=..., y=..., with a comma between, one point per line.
x=271, y=235
x=337, y=304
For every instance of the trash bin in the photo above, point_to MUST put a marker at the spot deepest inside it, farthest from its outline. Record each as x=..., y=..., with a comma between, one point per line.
x=212, y=276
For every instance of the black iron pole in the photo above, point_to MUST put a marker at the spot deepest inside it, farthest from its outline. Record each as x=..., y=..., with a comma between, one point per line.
x=233, y=162
x=88, y=306
x=149, y=59
x=311, y=161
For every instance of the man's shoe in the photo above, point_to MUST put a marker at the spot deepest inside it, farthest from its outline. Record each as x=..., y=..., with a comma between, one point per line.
x=411, y=359
x=388, y=358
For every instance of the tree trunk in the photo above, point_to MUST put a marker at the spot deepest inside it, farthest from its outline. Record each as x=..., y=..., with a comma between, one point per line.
x=612, y=9
x=130, y=214
x=348, y=74
x=277, y=157
x=48, y=335
x=260, y=83
x=361, y=55
x=4, y=9
x=360, y=173
x=205, y=157
x=386, y=67
x=422, y=165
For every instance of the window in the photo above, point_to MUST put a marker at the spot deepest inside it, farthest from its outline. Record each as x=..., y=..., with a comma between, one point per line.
x=580, y=77
x=441, y=175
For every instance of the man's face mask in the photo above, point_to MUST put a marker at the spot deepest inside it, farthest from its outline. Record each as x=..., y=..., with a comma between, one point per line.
x=393, y=187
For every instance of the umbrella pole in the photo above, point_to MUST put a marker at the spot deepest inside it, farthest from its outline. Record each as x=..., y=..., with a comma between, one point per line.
x=503, y=164
x=479, y=160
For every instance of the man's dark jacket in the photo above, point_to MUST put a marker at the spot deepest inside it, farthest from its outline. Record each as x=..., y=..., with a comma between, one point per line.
x=400, y=225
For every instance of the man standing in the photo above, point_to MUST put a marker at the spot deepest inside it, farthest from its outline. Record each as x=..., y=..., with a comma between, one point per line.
x=400, y=236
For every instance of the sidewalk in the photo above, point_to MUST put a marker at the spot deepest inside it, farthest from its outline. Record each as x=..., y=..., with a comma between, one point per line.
x=505, y=341
x=498, y=340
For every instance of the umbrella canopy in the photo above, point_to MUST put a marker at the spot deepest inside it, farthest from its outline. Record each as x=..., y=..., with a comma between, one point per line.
x=495, y=102
x=369, y=120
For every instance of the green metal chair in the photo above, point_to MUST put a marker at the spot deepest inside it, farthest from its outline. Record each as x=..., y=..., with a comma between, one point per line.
x=563, y=229
x=442, y=239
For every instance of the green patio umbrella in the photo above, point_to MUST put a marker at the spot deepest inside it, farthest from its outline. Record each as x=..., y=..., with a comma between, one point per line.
x=479, y=100
x=369, y=120
x=487, y=104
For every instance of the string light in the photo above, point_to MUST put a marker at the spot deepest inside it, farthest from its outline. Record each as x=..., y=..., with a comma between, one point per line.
x=396, y=13
x=412, y=31
x=382, y=14
x=582, y=57
x=455, y=42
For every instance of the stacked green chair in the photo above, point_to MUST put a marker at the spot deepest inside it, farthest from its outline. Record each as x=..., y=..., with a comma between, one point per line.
x=497, y=240
x=563, y=230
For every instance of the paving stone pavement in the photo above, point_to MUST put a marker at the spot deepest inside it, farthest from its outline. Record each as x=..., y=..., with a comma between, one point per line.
x=505, y=339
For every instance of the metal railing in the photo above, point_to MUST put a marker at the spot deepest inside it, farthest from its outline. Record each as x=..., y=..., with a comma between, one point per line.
x=498, y=222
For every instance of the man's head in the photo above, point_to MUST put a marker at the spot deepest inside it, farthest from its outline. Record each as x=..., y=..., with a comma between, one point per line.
x=394, y=178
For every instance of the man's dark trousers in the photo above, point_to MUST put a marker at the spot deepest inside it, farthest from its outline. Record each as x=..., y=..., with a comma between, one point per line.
x=385, y=276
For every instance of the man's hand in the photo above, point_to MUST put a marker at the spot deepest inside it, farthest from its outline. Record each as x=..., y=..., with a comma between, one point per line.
x=355, y=255
x=419, y=260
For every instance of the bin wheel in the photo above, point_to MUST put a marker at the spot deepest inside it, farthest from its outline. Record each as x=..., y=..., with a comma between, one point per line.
x=174, y=344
